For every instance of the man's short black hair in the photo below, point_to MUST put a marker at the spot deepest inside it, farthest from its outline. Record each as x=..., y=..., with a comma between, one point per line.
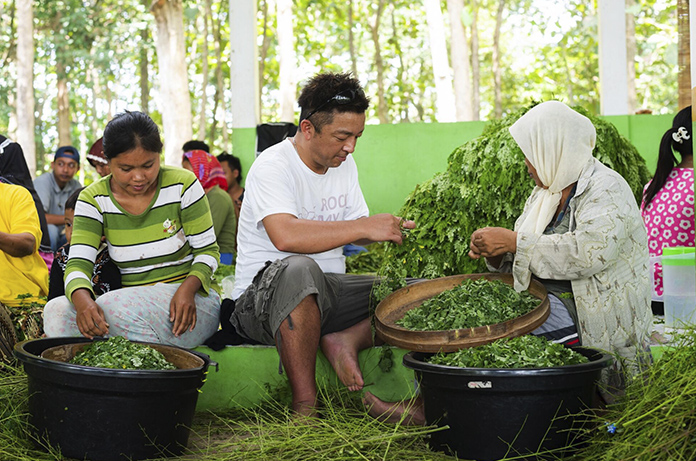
x=318, y=98
x=195, y=145
x=71, y=202
x=233, y=162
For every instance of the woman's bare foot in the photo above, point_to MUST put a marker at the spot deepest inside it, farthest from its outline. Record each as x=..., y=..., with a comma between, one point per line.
x=343, y=356
x=407, y=412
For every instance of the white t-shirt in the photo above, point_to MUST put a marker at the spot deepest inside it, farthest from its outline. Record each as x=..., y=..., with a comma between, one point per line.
x=279, y=182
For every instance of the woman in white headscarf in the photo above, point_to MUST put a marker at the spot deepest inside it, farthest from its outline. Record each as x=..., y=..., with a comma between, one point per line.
x=580, y=234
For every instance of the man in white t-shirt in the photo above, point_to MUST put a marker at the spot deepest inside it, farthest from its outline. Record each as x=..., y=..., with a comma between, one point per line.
x=302, y=204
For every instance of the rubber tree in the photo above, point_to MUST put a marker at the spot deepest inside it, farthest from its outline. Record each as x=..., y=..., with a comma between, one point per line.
x=175, y=100
x=441, y=68
x=459, y=52
x=25, y=82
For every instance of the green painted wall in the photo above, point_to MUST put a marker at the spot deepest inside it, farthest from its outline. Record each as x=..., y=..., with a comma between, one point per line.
x=247, y=376
x=393, y=159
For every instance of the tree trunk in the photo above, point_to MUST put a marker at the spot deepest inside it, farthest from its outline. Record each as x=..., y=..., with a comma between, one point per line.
x=220, y=111
x=94, y=77
x=202, y=116
x=404, y=96
x=25, y=82
x=265, y=43
x=475, y=68
x=684, y=57
x=351, y=41
x=568, y=74
x=459, y=50
x=39, y=124
x=286, y=61
x=64, y=136
x=175, y=99
x=497, y=71
x=382, y=109
x=144, y=66
x=631, y=55
x=441, y=69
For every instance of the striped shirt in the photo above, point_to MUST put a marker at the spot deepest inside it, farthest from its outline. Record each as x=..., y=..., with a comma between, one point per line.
x=172, y=239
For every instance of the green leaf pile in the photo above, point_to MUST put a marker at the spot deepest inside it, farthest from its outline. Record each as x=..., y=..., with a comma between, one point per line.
x=120, y=353
x=472, y=303
x=521, y=352
x=486, y=184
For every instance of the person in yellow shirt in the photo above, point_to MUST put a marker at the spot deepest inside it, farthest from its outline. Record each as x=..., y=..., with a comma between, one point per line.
x=22, y=268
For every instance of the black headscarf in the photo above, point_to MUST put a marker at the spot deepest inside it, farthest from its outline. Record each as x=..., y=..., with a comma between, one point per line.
x=13, y=167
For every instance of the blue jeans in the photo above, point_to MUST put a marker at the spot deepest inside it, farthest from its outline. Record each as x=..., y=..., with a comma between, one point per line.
x=57, y=236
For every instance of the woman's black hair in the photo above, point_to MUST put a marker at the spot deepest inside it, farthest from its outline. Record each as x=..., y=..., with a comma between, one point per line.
x=71, y=202
x=129, y=130
x=233, y=162
x=678, y=138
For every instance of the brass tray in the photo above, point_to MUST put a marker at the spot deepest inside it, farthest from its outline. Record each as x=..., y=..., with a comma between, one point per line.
x=394, y=306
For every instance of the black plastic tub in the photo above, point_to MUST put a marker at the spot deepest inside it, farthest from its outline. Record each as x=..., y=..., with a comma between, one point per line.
x=102, y=414
x=494, y=413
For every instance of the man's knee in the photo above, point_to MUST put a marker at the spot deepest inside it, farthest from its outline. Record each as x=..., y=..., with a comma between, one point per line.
x=300, y=265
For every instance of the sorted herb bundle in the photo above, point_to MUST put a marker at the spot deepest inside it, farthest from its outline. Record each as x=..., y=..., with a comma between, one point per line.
x=366, y=262
x=521, y=352
x=119, y=353
x=449, y=207
x=473, y=303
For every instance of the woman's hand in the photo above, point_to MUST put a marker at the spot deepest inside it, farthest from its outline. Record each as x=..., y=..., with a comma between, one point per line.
x=182, y=308
x=491, y=242
x=90, y=316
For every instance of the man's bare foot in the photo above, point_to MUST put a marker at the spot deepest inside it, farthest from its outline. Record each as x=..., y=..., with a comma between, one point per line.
x=305, y=410
x=343, y=356
x=407, y=412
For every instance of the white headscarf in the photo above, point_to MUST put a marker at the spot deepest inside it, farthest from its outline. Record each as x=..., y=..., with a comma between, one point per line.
x=558, y=142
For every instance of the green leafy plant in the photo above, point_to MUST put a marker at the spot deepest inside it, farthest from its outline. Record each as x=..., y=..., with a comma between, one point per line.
x=521, y=352
x=486, y=184
x=120, y=353
x=473, y=303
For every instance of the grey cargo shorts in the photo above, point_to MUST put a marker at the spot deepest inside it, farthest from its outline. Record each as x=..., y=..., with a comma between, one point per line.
x=278, y=288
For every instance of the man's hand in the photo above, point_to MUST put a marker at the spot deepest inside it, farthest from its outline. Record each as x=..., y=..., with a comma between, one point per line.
x=17, y=245
x=182, y=308
x=491, y=242
x=90, y=316
x=385, y=228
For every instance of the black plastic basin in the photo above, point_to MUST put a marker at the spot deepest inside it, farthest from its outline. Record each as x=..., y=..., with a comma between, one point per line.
x=102, y=414
x=494, y=413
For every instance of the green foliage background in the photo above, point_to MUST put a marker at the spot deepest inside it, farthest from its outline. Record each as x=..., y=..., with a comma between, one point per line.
x=486, y=184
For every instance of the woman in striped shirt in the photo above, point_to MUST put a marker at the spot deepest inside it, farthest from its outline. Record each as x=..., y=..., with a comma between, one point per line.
x=160, y=234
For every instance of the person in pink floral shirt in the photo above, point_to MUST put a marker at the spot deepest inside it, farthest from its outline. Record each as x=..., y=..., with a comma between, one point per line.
x=668, y=199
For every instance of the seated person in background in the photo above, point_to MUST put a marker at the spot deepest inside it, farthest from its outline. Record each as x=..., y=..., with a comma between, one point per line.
x=96, y=158
x=159, y=233
x=13, y=167
x=209, y=172
x=23, y=271
x=195, y=145
x=54, y=188
x=304, y=204
x=668, y=199
x=232, y=167
x=106, y=275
